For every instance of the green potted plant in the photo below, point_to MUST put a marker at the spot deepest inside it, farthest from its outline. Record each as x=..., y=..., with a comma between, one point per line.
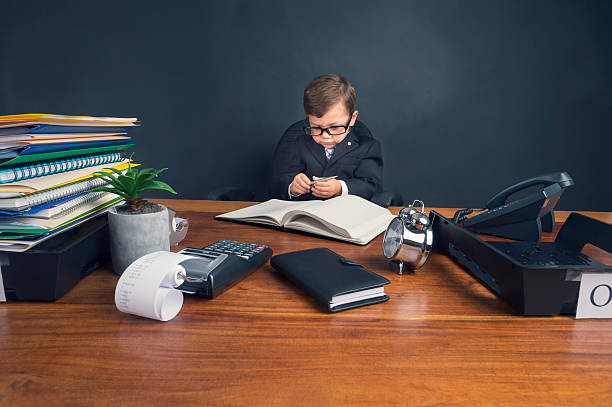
x=138, y=227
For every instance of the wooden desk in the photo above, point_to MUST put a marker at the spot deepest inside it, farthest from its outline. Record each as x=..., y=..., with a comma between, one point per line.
x=442, y=339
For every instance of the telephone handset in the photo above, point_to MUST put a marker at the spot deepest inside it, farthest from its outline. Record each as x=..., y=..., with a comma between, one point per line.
x=523, y=218
x=561, y=178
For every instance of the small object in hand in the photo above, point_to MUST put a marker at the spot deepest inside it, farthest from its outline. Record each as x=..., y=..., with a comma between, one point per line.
x=323, y=179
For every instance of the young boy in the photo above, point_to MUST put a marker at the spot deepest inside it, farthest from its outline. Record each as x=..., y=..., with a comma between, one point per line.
x=330, y=142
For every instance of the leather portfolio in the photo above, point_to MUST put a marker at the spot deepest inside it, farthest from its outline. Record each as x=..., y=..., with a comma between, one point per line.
x=335, y=281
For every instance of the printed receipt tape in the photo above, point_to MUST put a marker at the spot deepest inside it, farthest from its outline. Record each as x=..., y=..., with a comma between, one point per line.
x=148, y=286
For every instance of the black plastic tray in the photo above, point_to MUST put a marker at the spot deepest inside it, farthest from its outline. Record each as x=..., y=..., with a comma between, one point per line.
x=535, y=278
x=50, y=269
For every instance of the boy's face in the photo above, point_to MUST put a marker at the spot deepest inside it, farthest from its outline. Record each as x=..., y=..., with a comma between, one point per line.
x=337, y=115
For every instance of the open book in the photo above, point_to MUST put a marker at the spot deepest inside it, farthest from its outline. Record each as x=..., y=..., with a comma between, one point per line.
x=348, y=217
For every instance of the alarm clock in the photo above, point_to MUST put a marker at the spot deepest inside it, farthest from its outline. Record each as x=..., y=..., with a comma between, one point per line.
x=409, y=238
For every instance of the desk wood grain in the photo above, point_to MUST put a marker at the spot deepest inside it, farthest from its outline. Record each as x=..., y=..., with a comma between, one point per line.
x=442, y=339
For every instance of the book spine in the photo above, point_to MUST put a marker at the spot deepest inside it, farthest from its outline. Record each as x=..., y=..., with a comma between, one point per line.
x=56, y=166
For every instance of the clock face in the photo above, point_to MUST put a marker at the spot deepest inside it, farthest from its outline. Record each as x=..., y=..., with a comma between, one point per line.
x=393, y=238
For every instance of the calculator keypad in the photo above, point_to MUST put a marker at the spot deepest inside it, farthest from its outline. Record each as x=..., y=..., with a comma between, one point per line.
x=240, y=249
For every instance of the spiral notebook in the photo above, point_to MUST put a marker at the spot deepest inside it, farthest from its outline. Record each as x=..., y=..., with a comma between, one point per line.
x=21, y=243
x=38, y=191
x=66, y=206
x=55, y=166
x=28, y=227
x=33, y=210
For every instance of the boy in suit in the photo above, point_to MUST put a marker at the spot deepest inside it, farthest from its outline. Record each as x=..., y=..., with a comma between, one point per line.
x=329, y=142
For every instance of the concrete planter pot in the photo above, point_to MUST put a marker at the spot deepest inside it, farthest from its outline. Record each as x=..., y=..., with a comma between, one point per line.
x=133, y=236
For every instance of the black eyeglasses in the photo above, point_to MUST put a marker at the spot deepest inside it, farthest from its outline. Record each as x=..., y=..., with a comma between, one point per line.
x=332, y=130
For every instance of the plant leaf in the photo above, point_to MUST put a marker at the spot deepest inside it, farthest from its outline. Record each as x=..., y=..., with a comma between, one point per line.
x=142, y=178
x=147, y=170
x=123, y=183
x=116, y=171
x=133, y=182
x=111, y=190
x=106, y=178
x=126, y=181
x=110, y=180
x=148, y=174
x=131, y=173
x=155, y=185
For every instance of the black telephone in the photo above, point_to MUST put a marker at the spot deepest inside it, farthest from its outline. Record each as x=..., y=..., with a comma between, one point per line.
x=524, y=218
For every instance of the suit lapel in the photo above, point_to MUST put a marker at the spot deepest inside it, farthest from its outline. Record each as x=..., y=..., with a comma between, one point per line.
x=317, y=150
x=346, y=146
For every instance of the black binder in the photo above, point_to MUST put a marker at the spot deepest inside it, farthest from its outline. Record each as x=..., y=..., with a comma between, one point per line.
x=50, y=269
x=336, y=282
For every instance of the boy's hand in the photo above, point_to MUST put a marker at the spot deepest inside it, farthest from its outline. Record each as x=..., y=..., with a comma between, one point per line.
x=300, y=184
x=326, y=189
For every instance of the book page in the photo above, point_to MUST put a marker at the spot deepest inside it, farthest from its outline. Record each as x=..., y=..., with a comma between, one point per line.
x=357, y=296
x=349, y=216
x=374, y=226
x=309, y=223
x=270, y=212
x=363, y=235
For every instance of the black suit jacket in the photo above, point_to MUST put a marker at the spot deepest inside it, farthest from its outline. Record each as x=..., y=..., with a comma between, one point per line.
x=357, y=160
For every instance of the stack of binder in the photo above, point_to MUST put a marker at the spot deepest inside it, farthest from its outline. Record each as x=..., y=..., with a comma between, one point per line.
x=47, y=164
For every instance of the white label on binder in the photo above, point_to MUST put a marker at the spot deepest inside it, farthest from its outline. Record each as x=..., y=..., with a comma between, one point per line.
x=147, y=287
x=2, y=295
x=595, y=296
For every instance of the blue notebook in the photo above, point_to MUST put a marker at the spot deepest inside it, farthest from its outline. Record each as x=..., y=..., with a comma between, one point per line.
x=37, y=208
x=49, y=148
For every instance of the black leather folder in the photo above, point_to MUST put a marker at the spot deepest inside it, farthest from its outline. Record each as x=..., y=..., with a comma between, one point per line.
x=335, y=281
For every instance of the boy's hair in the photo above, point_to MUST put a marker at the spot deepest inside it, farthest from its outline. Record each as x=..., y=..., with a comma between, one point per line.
x=324, y=91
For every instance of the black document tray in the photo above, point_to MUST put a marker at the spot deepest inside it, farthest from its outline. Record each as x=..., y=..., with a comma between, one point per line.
x=50, y=269
x=535, y=278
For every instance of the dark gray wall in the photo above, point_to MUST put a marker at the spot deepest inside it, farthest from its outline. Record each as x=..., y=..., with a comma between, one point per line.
x=467, y=97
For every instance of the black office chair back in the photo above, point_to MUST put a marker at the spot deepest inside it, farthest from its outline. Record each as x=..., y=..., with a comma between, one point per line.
x=230, y=194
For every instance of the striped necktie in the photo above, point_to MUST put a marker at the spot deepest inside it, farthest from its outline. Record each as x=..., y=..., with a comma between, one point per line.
x=329, y=152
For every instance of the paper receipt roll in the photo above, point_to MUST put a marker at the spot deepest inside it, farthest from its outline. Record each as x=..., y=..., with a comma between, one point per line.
x=147, y=287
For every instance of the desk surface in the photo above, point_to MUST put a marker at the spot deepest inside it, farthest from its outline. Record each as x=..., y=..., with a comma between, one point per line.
x=441, y=339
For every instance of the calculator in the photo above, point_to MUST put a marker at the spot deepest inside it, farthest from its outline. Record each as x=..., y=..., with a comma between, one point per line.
x=218, y=266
